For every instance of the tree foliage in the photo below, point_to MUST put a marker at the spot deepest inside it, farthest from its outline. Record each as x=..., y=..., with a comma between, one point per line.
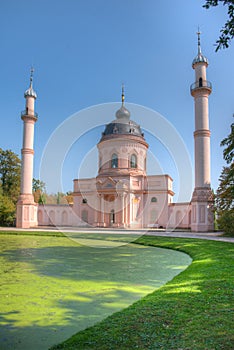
x=227, y=31
x=224, y=200
x=39, y=188
x=228, y=152
x=10, y=166
x=225, y=191
x=7, y=210
x=38, y=185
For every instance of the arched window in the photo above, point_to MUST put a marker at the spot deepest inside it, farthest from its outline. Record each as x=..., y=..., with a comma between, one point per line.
x=114, y=161
x=112, y=217
x=84, y=215
x=153, y=199
x=133, y=161
x=40, y=217
x=64, y=218
x=200, y=82
x=51, y=217
x=178, y=217
x=153, y=216
x=84, y=201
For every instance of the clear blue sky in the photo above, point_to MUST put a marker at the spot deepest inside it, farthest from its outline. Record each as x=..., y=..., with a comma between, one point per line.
x=83, y=50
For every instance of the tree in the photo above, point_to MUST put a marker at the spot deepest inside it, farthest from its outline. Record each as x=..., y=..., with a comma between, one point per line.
x=228, y=152
x=225, y=191
x=69, y=197
x=38, y=188
x=224, y=200
x=38, y=185
x=10, y=166
x=227, y=32
x=7, y=210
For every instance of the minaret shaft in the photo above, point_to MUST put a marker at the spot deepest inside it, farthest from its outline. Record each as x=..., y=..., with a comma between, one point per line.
x=26, y=207
x=202, y=201
x=201, y=109
x=202, y=159
x=202, y=140
x=27, y=154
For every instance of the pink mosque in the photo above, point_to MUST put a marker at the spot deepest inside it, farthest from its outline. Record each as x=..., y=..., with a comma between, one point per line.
x=122, y=195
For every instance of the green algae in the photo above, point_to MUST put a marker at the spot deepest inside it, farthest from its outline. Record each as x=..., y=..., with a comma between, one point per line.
x=53, y=287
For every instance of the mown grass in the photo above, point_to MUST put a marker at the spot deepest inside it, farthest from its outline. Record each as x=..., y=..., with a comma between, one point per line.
x=193, y=311
x=33, y=233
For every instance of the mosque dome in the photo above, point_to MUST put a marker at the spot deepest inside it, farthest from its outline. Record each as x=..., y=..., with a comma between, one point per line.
x=119, y=128
x=122, y=125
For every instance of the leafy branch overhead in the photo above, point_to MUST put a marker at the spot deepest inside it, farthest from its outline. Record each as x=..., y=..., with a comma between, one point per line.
x=227, y=31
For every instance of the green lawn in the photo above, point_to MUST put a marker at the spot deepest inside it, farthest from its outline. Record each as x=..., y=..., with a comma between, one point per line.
x=193, y=311
x=51, y=287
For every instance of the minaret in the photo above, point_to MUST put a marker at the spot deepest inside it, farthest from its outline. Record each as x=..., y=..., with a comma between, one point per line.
x=202, y=200
x=26, y=207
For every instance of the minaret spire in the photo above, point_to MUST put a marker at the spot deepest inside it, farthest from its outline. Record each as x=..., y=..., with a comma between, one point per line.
x=200, y=58
x=199, y=41
x=30, y=91
x=123, y=96
x=31, y=77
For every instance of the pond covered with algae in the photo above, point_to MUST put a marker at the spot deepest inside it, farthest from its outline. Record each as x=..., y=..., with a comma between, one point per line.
x=53, y=287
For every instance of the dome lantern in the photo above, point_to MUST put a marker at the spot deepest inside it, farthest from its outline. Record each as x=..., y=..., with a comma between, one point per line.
x=122, y=125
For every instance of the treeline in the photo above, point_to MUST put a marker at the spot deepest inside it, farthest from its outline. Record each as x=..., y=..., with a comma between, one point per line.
x=10, y=167
x=10, y=170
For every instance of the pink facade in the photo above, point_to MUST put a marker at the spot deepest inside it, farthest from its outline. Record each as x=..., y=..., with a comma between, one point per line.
x=122, y=195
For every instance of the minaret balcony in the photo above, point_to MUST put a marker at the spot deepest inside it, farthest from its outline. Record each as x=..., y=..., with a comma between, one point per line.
x=27, y=114
x=201, y=84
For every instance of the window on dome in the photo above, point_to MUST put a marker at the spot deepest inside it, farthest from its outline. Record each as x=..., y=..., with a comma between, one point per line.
x=153, y=199
x=133, y=161
x=114, y=161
